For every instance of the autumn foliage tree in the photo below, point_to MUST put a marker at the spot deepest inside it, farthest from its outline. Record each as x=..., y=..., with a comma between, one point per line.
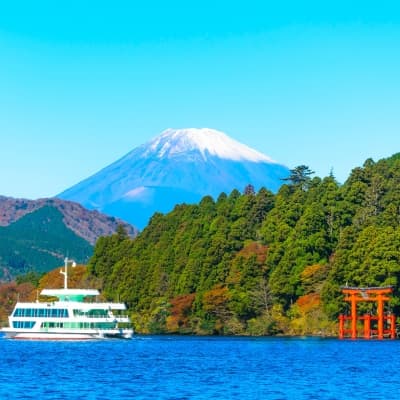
x=181, y=308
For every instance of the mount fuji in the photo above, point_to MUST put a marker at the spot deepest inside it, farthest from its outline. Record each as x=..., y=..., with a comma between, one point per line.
x=178, y=166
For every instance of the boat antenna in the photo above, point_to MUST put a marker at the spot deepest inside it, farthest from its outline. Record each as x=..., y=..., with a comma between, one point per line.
x=65, y=272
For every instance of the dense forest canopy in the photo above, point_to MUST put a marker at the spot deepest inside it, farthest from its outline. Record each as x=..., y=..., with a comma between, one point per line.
x=259, y=263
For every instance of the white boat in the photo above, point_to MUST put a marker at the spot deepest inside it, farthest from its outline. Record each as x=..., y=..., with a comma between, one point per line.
x=75, y=315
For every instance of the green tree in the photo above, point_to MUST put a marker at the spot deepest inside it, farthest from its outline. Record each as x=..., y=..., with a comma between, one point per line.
x=300, y=176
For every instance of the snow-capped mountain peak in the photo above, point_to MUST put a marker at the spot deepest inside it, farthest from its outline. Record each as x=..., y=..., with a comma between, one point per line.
x=178, y=166
x=173, y=142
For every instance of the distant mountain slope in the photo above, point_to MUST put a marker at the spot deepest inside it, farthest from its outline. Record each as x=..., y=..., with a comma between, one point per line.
x=175, y=167
x=39, y=241
x=89, y=225
x=37, y=234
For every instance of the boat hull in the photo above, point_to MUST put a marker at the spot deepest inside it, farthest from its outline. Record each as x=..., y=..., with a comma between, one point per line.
x=67, y=336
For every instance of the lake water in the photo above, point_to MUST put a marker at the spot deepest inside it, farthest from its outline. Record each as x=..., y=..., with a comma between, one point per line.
x=169, y=367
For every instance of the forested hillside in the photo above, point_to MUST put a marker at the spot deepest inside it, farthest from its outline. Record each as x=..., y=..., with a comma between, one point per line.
x=36, y=235
x=259, y=263
x=89, y=225
x=39, y=242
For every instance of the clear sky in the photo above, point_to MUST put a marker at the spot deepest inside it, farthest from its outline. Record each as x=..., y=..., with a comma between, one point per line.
x=84, y=82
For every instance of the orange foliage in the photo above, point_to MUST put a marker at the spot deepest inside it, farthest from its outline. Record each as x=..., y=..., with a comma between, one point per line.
x=55, y=280
x=180, y=311
x=26, y=292
x=182, y=304
x=308, y=302
x=215, y=298
x=215, y=302
x=256, y=248
x=249, y=250
x=10, y=293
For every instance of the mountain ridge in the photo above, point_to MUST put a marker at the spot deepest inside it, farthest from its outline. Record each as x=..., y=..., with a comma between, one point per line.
x=38, y=242
x=88, y=224
x=190, y=162
x=36, y=235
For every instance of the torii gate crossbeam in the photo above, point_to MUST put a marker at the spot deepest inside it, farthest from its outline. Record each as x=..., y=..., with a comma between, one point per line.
x=379, y=295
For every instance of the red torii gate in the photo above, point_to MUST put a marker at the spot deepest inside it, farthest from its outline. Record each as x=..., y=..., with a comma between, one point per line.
x=386, y=323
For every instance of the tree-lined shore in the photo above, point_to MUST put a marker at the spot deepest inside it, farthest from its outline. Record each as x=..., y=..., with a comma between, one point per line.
x=258, y=263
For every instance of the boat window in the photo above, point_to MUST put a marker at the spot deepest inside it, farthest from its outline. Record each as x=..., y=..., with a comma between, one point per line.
x=78, y=325
x=17, y=312
x=41, y=312
x=23, y=324
x=97, y=313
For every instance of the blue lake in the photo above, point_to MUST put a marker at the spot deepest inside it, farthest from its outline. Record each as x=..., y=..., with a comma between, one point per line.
x=169, y=367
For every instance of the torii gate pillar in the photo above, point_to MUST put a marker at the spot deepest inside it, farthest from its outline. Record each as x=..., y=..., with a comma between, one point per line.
x=379, y=295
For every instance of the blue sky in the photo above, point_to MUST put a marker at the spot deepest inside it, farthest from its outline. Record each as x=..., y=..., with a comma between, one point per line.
x=84, y=82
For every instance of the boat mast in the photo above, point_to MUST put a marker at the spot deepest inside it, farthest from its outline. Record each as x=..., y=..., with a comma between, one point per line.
x=65, y=272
